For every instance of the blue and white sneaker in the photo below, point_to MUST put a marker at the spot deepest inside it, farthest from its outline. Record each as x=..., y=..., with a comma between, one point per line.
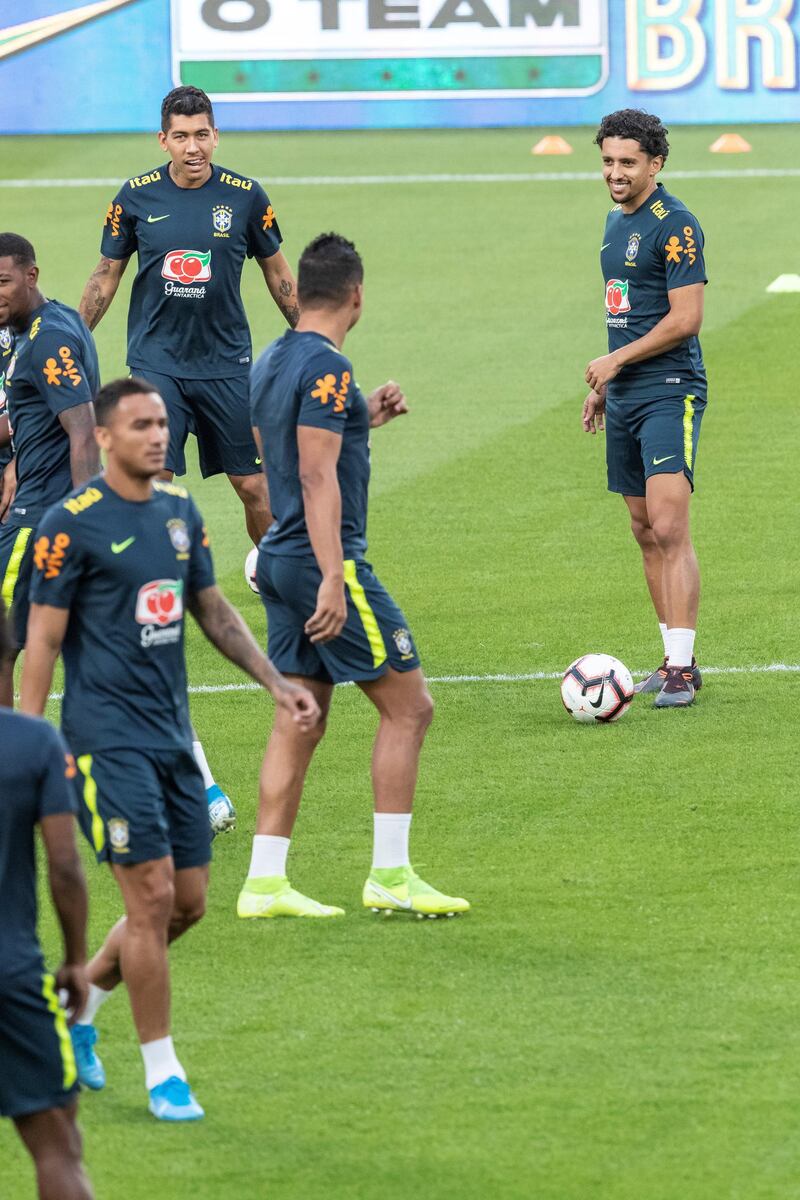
x=90, y=1070
x=221, y=813
x=172, y=1100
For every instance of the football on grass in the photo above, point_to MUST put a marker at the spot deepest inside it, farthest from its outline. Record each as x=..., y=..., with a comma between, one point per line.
x=597, y=687
x=250, y=569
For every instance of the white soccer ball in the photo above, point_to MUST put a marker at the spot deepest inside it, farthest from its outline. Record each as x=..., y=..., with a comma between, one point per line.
x=597, y=687
x=250, y=569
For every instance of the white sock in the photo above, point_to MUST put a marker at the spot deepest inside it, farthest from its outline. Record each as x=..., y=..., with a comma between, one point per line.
x=269, y=856
x=202, y=762
x=663, y=629
x=680, y=647
x=97, y=996
x=390, y=845
x=160, y=1062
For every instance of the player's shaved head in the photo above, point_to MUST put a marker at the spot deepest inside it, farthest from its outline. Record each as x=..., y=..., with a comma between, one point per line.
x=13, y=245
x=185, y=101
x=330, y=267
x=642, y=127
x=108, y=398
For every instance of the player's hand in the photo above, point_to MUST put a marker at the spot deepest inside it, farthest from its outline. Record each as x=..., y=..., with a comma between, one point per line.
x=593, y=416
x=71, y=978
x=8, y=489
x=601, y=371
x=299, y=704
x=327, y=620
x=386, y=403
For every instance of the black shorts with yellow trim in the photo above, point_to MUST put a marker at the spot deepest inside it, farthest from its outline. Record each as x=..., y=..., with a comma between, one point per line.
x=143, y=804
x=375, y=635
x=37, y=1064
x=217, y=412
x=651, y=436
x=16, y=568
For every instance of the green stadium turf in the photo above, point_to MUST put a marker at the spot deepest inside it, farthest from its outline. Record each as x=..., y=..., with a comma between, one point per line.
x=617, y=1017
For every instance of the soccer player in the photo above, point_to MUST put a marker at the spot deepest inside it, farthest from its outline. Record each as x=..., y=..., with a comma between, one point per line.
x=50, y=379
x=191, y=224
x=116, y=564
x=651, y=386
x=329, y=619
x=38, y=1077
x=7, y=476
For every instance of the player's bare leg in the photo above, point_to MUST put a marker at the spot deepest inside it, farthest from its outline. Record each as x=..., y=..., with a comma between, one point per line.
x=54, y=1143
x=286, y=761
x=406, y=711
x=668, y=498
x=252, y=491
x=160, y=905
x=651, y=554
x=7, y=679
x=267, y=891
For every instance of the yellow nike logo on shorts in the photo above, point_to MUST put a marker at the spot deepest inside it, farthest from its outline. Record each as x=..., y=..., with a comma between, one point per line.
x=658, y=461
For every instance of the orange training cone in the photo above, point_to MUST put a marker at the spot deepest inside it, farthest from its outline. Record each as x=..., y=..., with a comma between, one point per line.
x=729, y=143
x=552, y=144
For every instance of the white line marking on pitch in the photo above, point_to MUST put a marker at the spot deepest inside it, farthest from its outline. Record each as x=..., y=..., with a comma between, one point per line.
x=369, y=180
x=531, y=677
x=213, y=689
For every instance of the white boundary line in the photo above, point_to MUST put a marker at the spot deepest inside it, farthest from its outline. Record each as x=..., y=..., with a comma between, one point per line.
x=213, y=689
x=368, y=180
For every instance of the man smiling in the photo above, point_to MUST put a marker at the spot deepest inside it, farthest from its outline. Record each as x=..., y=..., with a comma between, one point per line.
x=192, y=224
x=651, y=386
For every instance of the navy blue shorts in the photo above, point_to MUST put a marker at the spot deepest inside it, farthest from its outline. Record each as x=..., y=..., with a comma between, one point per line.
x=375, y=635
x=37, y=1065
x=217, y=412
x=651, y=437
x=16, y=564
x=139, y=805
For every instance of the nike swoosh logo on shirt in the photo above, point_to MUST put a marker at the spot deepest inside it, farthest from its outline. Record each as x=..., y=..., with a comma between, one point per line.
x=118, y=547
x=657, y=461
x=151, y=220
x=602, y=248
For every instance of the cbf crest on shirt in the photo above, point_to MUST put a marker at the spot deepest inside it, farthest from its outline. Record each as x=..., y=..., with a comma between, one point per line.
x=186, y=315
x=645, y=255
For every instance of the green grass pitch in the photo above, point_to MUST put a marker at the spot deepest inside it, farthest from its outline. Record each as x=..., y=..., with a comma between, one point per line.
x=617, y=1017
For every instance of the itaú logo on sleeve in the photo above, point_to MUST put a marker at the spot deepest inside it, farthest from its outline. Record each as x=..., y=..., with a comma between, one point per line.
x=184, y=270
x=617, y=296
x=159, y=609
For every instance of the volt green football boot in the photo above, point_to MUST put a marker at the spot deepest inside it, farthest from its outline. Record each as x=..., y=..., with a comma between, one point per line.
x=400, y=889
x=273, y=896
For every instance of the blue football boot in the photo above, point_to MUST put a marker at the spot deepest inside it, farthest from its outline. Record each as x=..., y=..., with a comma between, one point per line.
x=221, y=813
x=172, y=1100
x=90, y=1068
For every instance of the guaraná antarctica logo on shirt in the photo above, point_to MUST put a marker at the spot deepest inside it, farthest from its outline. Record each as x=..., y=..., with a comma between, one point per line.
x=159, y=608
x=184, y=269
x=617, y=296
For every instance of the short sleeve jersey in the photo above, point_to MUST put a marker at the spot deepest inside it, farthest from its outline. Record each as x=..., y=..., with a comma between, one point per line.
x=646, y=254
x=6, y=350
x=53, y=368
x=302, y=379
x=125, y=570
x=34, y=772
x=186, y=316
